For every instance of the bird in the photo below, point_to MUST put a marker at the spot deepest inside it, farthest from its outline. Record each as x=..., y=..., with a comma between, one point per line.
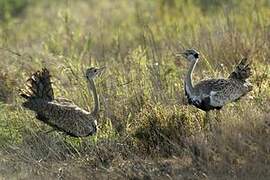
x=60, y=113
x=213, y=94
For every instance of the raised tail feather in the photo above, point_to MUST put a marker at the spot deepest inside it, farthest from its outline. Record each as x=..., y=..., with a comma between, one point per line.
x=242, y=71
x=38, y=86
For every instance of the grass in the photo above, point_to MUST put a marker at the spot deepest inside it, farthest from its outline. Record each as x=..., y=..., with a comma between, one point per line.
x=146, y=129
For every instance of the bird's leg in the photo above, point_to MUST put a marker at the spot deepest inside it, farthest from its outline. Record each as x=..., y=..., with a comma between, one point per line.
x=52, y=130
x=218, y=116
x=217, y=121
x=207, y=120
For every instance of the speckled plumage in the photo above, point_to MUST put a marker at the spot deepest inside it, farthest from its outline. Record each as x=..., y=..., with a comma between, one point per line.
x=215, y=93
x=62, y=114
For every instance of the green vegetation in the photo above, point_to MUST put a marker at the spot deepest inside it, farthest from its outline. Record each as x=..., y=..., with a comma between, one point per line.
x=9, y=8
x=146, y=129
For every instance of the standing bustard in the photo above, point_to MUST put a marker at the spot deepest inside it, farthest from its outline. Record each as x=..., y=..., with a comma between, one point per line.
x=61, y=113
x=215, y=93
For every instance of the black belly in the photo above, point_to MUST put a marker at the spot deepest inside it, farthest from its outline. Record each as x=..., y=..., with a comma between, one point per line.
x=204, y=104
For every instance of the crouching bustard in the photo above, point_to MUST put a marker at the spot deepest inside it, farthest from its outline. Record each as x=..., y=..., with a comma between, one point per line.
x=213, y=94
x=61, y=113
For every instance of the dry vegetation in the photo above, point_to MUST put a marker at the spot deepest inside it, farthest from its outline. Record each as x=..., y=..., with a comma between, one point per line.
x=146, y=129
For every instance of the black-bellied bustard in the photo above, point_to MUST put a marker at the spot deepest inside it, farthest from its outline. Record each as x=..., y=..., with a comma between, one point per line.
x=61, y=113
x=213, y=94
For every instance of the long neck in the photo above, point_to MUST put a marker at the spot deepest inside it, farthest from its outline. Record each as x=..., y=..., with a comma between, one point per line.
x=188, y=80
x=92, y=88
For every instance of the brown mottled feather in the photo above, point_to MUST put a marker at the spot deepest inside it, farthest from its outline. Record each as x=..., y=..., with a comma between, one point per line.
x=38, y=86
x=61, y=113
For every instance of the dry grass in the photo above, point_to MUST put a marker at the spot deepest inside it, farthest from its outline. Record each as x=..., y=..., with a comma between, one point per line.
x=146, y=129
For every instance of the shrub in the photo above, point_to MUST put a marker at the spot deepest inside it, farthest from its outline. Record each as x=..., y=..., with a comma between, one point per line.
x=162, y=129
x=10, y=8
x=6, y=90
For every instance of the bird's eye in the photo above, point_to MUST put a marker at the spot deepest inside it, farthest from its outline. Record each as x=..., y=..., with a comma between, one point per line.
x=95, y=70
x=196, y=55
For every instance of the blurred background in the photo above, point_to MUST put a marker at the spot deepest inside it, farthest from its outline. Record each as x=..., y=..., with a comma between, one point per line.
x=145, y=121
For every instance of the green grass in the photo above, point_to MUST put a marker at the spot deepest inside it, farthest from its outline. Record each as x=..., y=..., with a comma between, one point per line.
x=146, y=129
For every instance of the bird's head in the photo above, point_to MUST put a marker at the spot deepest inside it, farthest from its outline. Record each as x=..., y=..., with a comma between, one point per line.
x=93, y=72
x=189, y=54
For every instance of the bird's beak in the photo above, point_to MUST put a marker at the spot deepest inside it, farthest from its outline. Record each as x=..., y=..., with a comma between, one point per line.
x=177, y=57
x=181, y=54
x=101, y=70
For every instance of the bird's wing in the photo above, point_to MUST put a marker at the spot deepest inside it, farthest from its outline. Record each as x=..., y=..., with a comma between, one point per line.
x=220, y=91
x=206, y=86
x=64, y=101
x=65, y=117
